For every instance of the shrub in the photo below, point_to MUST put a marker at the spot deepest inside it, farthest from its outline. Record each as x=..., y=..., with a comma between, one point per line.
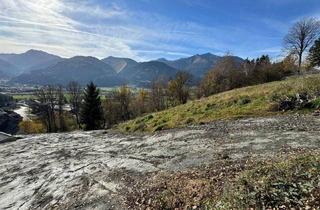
x=32, y=127
x=316, y=103
x=190, y=120
x=70, y=123
x=244, y=100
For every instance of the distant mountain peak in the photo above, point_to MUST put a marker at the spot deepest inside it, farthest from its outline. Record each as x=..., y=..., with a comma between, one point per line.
x=198, y=64
x=144, y=73
x=162, y=59
x=33, y=52
x=119, y=64
x=208, y=53
x=83, y=57
x=82, y=69
x=30, y=60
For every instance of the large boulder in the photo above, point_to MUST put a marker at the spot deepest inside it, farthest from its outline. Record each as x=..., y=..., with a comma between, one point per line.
x=9, y=122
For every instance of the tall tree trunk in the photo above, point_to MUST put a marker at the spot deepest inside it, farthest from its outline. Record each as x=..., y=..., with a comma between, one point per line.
x=299, y=64
x=78, y=120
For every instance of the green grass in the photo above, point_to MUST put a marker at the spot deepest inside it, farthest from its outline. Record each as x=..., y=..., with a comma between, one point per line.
x=250, y=101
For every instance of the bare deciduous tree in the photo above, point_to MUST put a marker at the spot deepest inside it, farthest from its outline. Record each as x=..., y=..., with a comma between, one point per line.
x=158, y=94
x=301, y=36
x=112, y=112
x=45, y=105
x=123, y=97
x=61, y=102
x=139, y=104
x=75, y=92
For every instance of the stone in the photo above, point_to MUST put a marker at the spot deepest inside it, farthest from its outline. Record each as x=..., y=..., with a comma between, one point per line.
x=316, y=113
x=9, y=122
x=4, y=137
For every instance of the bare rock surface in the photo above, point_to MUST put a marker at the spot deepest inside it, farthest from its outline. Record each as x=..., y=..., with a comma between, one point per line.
x=86, y=170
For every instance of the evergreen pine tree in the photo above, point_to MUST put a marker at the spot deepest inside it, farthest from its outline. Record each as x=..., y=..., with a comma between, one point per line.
x=314, y=54
x=91, y=113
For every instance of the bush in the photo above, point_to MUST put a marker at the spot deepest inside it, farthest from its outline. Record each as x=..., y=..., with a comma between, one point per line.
x=31, y=127
x=70, y=123
x=243, y=100
x=316, y=103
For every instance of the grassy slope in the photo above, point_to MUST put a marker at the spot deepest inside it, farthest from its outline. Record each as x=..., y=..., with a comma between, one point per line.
x=244, y=102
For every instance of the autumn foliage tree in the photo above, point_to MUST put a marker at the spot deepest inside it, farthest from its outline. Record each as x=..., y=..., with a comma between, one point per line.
x=178, y=88
x=226, y=75
x=123, y=96
x=289, y=65
x=140, y=103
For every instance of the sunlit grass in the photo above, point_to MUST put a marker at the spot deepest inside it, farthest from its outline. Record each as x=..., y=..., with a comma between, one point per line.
x=250, y=101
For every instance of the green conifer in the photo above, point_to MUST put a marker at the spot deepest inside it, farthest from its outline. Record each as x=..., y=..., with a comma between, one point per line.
x=91, y=113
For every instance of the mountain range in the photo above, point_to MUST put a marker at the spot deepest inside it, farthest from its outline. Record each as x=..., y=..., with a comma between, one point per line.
x=41, y=68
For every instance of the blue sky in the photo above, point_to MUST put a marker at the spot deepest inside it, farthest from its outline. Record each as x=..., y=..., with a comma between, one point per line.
x=150, y=29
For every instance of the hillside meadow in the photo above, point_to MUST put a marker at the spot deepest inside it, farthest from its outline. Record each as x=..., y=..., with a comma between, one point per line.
x=252, y=101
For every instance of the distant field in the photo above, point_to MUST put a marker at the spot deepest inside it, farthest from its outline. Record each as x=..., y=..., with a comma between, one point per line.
x=104, y=91
x=244, y=102
x=22, y=96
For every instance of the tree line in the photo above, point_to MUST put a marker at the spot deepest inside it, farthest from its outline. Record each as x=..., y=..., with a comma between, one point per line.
x=66, y=108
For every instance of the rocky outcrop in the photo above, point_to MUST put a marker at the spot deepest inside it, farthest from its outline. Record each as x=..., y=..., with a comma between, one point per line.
x=9, y=122
x=98, y=169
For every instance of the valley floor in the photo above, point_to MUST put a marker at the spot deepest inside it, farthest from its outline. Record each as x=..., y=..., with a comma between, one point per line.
x=99, y=169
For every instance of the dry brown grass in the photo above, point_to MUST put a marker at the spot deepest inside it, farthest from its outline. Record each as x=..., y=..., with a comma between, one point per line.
x=239, y=184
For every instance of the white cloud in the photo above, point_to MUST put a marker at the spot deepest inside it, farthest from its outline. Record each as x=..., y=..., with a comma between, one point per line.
x=48, y=25
x=73, y=27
